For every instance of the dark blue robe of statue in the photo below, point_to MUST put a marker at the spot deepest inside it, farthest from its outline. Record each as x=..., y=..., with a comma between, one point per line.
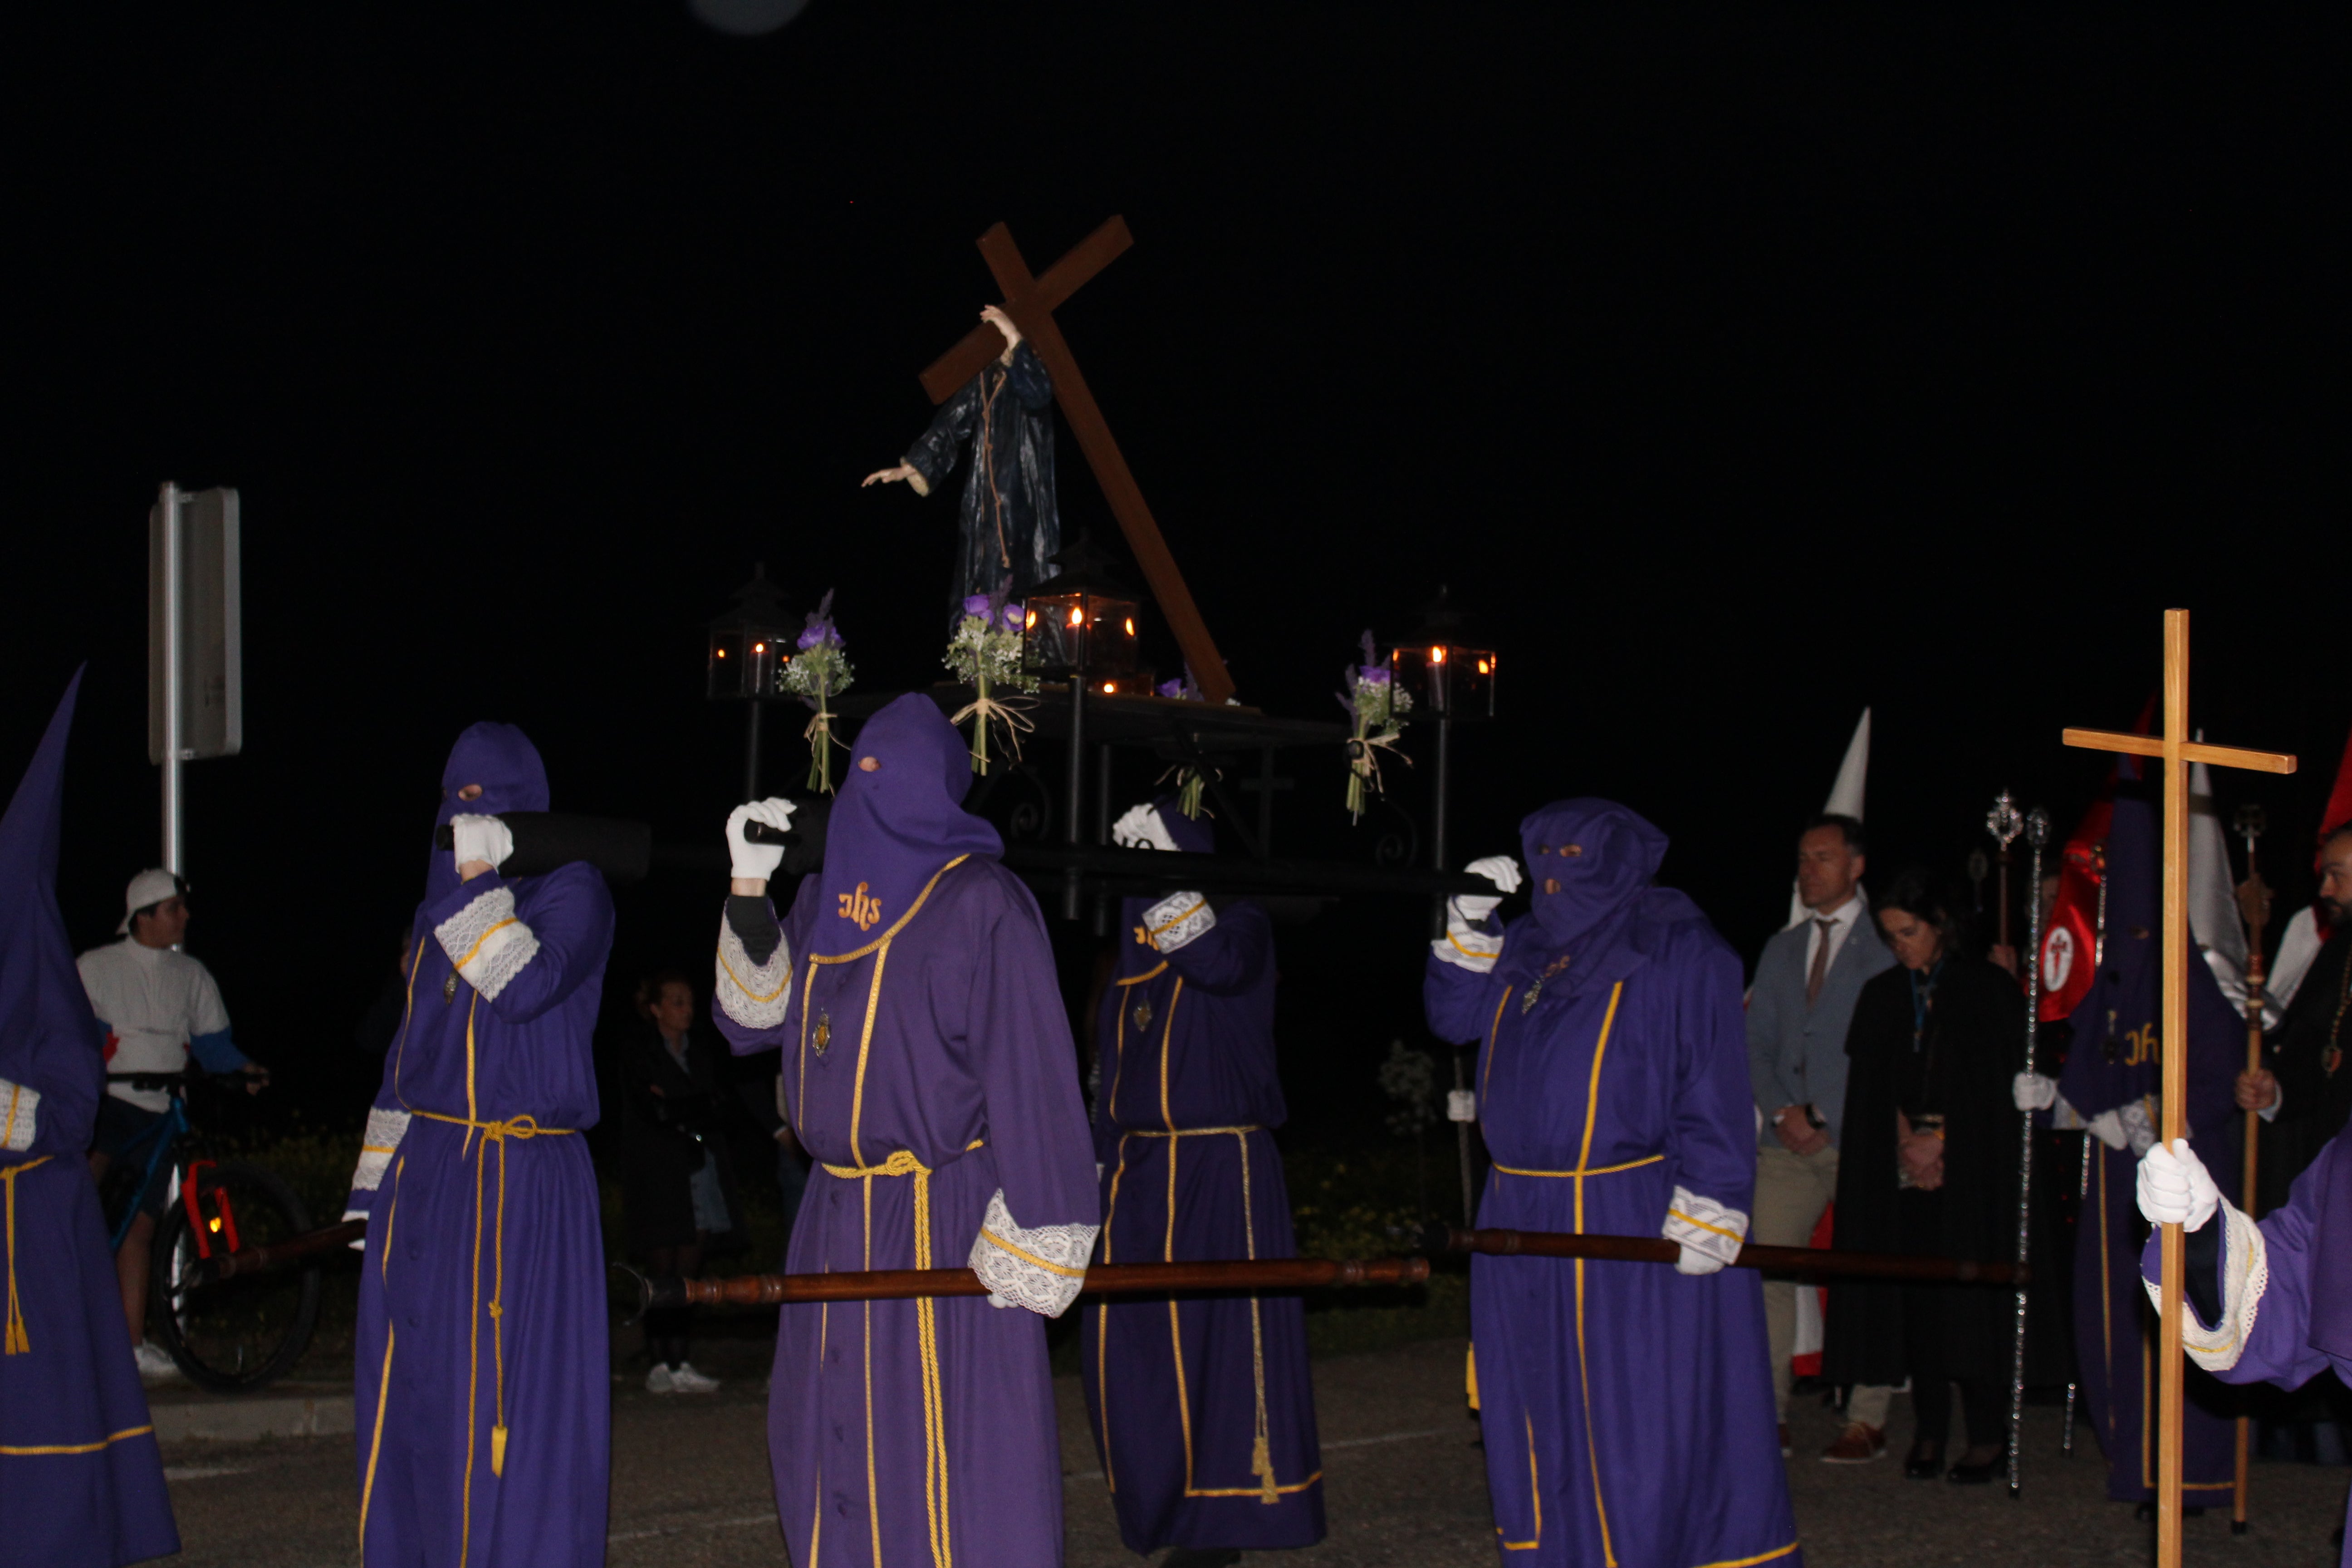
x=1203, y=1408
x=1627, y=1407
x=484, y=1398
x=1009, y=525
x=81, y=1481
x=2114, y=1064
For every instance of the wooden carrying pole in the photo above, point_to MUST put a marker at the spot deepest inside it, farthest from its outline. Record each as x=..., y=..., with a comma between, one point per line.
x=2174, y=752
x=1308, y=1273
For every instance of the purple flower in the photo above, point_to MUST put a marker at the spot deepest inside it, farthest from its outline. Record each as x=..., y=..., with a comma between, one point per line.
x=977, y=604
x=820, y=625
x=1012, y=618
x=1173, y=689
x=1372, y=674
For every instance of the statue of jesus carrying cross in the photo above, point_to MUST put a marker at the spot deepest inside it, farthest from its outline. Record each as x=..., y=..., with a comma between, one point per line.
x=1008, y=523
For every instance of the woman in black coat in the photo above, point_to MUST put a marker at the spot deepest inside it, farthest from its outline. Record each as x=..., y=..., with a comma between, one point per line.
x=673, y=1176
x=1928, y=1166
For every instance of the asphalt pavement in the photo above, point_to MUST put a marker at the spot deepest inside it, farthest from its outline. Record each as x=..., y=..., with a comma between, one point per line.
x=1405, y=1489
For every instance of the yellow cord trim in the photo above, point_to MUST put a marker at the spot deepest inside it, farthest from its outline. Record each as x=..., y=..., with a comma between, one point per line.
x=376, y=1443
x=474, y=952
x=1759, y=1557
x=1455, y=943
x=497, y=1133
x=1535, y=1495
x=16, y=1343
x=1179, y=920
x=1677, y=1214
x=31, y=1449
x=1025, y=1256
x=755, y=995
x=1595, y=1171
x=1192, y=1132
x=912, y=911
x=1151, y=973
x=1583, y=1374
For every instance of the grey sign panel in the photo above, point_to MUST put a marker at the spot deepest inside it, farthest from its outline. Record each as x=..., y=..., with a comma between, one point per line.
x=212, y=679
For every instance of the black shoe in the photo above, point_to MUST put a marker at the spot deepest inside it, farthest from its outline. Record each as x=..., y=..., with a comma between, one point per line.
x=1924, y=1463
x=1967, y=1474
x=1202, y=1557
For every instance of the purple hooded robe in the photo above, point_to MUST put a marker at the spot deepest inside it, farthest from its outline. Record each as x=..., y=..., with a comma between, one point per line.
x=1627, y=1407
x=1202, y=1409
x=929, y=1069
x=2114, y=1064
x=2280, y=1293
x=81, y=1481
x=483, y=1377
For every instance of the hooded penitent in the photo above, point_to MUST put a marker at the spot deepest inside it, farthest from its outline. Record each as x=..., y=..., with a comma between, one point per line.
x=502, y=761
x=1212, y=1445
x=1627, y=1408
x=482, y=1387
x=895, y=824
x=2116, y=1064
x=81, y=1481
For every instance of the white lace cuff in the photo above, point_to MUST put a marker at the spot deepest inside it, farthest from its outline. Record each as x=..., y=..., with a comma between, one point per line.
x=753, y=994
x=384, y=1131
x=1178, y=919
x=1464, y=945
x=20, y=1110
x=1705, y=1225
x=2245, y=1275
x=487, y=942
x=1041, y=1270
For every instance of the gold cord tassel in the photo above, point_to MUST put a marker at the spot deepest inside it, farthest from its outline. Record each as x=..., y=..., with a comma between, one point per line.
x=499, y=1450
x=14, y=1341
x=1262, y=1466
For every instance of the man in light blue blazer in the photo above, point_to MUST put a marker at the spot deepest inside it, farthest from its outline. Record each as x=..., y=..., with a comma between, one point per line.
x=1806, y=983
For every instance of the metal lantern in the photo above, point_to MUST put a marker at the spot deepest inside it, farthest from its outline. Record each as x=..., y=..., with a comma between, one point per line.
x=1083, y=622
x=1447, y=677
x=751, y=643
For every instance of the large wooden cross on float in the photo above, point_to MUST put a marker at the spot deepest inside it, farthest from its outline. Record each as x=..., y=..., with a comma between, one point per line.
x=2176, y=751
x=1029, y=300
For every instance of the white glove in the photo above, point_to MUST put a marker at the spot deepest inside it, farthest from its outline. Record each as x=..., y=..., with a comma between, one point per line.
x=1141, y=828
x=757, y=862
x=1460, y=1105
x=1500, y=869
x=483, y=839
x=361, y=1244
x=1694, y=1261
x=2108, y=1129
x=2175, y=1187
x=2031, y=1092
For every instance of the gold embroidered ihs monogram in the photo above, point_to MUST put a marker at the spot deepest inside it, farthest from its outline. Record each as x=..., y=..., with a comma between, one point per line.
x=857, y=907
x=1143, y=938
x=1143, y=1015
x=824, y=1032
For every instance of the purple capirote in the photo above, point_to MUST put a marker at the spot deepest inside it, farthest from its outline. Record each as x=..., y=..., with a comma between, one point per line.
x=1181, y=1392
x=2115, y=1063
x=463, y=1223
x=927, y=1066
x=1627, y=1407
x=81, y=1481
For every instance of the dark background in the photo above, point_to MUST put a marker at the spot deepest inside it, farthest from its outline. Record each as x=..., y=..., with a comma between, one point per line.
x=1743, y=366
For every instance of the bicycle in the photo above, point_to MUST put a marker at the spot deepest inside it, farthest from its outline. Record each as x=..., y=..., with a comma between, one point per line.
x=232, y=1335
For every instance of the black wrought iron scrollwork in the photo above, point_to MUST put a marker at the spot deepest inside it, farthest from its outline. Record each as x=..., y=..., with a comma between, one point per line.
x=1399, y=842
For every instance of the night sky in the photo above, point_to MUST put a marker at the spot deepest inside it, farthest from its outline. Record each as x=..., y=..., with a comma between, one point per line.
x=1741, y=366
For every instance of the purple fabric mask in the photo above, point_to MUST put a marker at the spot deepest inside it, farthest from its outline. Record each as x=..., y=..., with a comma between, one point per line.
x=1192, y=838
x=894, y=827
x=501, y=759
x=49, y=1036
x=1612, y=854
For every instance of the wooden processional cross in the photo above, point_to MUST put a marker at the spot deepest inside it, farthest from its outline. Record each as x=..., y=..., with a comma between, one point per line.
x=1030, y=301
x=2176, y=752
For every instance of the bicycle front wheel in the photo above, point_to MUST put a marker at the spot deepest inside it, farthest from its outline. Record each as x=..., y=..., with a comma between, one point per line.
x=238, y=1334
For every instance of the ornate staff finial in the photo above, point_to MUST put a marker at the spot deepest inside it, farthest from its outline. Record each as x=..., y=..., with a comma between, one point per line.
x=2037, y=827
x=2003, y=821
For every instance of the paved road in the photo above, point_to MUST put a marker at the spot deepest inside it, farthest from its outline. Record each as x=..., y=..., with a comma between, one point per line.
x=1406, y=1490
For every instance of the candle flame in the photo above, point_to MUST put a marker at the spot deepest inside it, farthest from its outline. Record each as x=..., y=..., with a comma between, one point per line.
x=1077, y=617
x=1130, y=626
x=1437, y=655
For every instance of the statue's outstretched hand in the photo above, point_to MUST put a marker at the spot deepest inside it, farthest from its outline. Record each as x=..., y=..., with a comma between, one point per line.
x=888, y=475
x=995, y=316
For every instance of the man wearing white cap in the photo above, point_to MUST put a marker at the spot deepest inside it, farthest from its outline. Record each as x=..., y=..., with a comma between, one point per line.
x=157, y=1005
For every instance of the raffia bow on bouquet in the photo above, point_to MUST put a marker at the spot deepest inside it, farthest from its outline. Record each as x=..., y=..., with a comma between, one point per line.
x=817, y=674
x=985, y=655
x=1191, y=778
x=1377, y=707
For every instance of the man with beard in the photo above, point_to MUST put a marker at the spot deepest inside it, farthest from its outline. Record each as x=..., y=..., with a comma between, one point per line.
x=2307, y=1094
x=1627, y=1406
x=484, y=1402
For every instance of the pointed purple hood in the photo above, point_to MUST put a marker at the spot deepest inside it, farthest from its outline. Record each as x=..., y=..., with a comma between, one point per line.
x=501, y=759
x=894, y=826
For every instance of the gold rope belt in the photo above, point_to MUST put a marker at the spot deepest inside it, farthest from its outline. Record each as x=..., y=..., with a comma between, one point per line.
x=1188, y=1131
x=16, y=1342
x=1595, y=1171
x=926, y=1335
x=498, y=1133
